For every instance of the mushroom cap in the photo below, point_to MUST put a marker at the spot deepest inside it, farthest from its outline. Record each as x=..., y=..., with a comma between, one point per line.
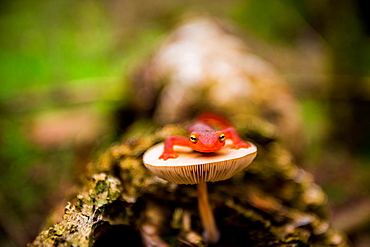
x=193, y=167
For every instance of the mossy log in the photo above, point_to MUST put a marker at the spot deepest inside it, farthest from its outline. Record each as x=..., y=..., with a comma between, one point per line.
x=271, y=203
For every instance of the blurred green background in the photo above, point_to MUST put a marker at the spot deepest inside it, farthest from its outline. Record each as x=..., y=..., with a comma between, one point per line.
x=64, y=69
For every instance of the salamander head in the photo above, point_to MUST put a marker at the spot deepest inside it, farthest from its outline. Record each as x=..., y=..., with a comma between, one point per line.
x=207, y=141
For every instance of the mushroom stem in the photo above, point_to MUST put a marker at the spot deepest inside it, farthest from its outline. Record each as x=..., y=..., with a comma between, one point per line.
x=211, y=233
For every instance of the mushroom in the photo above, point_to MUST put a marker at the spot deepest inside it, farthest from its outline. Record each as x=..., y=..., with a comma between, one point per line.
x=198, y=168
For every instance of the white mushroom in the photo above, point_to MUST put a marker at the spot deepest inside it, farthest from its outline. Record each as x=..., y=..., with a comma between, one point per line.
x=198, y=168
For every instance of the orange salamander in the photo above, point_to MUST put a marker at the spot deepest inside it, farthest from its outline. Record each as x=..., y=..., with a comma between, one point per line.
x=203, y=138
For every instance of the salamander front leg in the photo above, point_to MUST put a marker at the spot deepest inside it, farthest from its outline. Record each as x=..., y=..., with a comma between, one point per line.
x=237, y=142
x=169, y=143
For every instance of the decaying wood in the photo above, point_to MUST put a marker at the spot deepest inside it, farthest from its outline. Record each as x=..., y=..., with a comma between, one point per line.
x=271, y=203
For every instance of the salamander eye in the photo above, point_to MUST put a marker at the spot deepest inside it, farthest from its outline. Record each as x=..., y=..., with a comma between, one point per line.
x=193, y=138
x=222, y=137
